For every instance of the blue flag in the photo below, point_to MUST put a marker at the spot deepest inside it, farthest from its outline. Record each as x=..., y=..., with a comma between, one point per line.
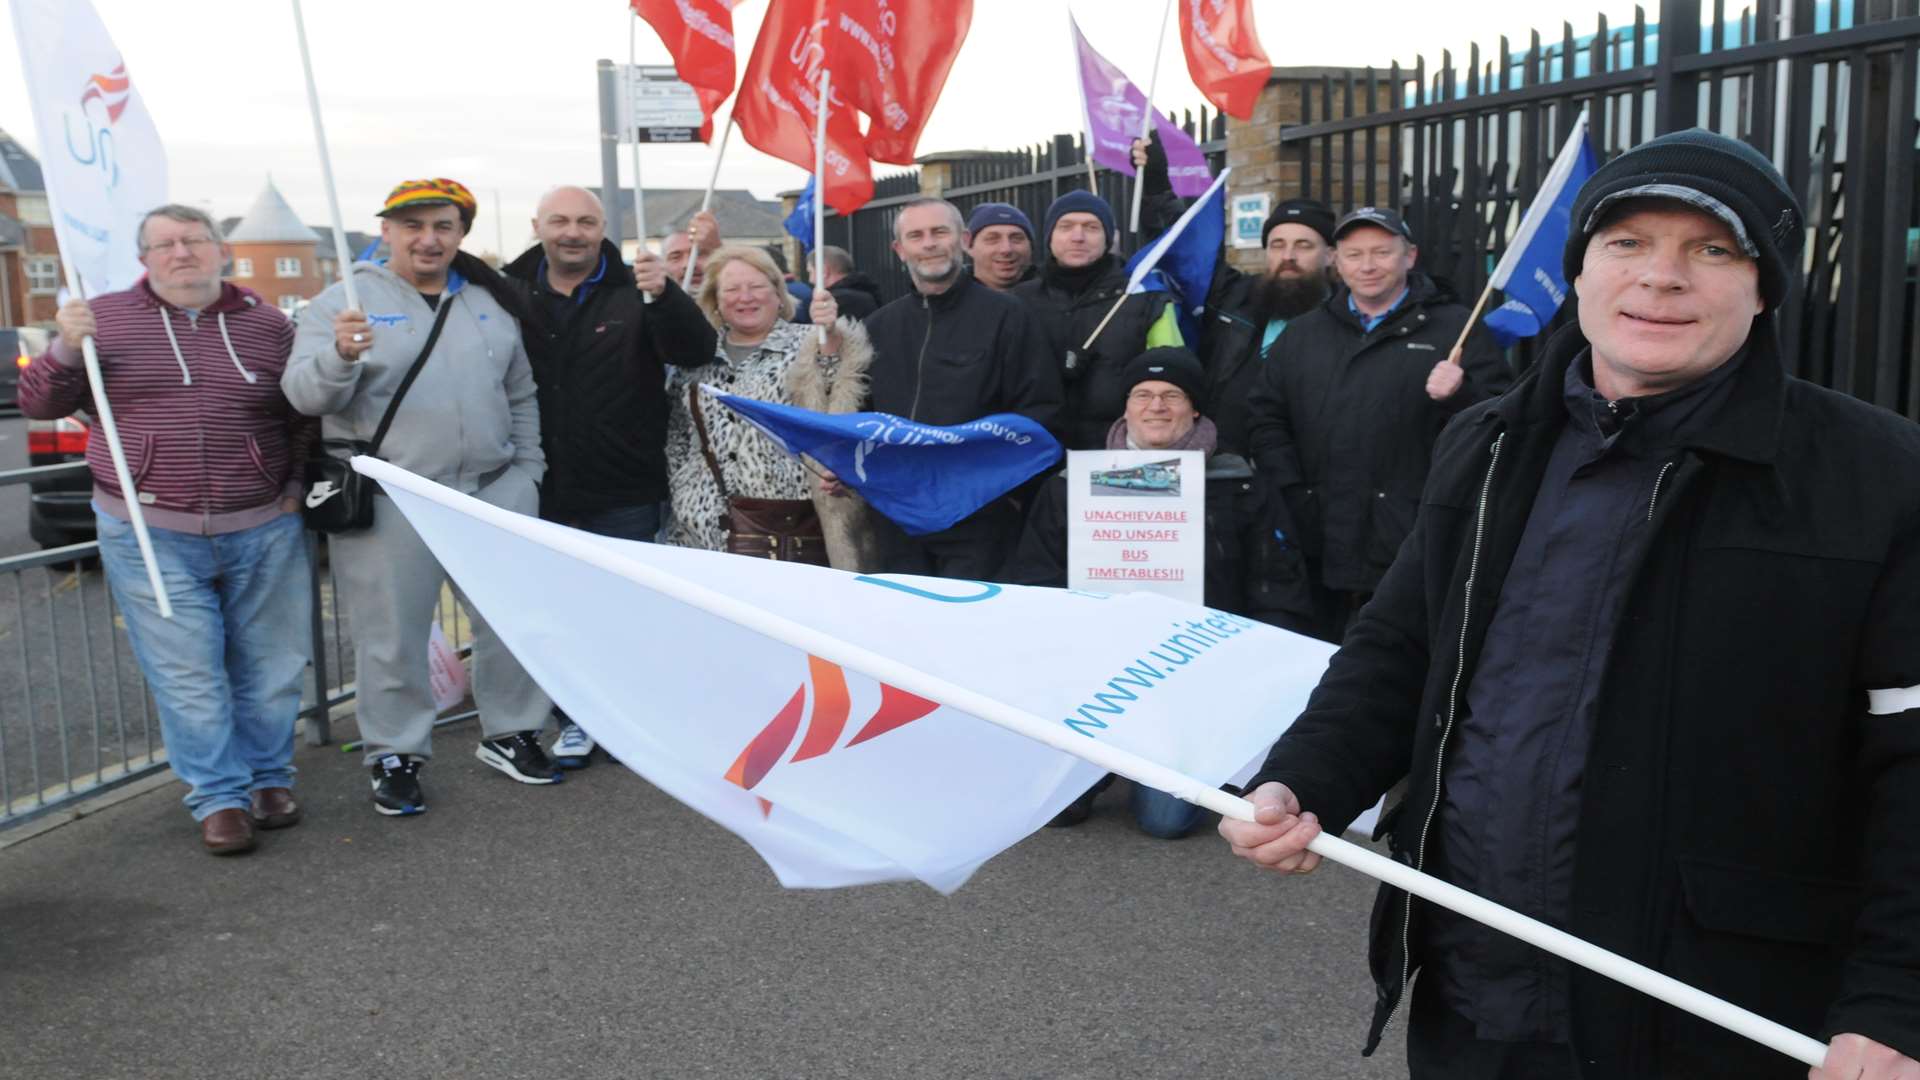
x=1181, y=262
x=925, y=478
x=800, y=222
x=1530, y=274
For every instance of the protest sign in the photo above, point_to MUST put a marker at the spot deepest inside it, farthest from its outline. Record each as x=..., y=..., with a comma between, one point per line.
x=1136, y=522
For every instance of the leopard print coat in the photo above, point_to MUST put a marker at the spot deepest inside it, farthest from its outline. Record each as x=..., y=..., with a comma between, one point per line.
x=786, y=368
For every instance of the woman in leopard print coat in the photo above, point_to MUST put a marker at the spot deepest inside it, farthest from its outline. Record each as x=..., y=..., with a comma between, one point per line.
x=760, y=355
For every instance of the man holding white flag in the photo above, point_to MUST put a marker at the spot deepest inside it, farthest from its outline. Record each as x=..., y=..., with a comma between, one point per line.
x=1648, y=662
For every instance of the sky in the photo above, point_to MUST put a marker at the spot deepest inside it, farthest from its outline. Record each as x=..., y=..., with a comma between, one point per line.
x=501, y=94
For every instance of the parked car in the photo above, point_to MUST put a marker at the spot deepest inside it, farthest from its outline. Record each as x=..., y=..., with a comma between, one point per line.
x=21, y=344
x=60, y=509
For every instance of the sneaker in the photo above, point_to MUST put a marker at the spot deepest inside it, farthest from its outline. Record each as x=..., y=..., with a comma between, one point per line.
x=396, y=786
x=519, y=756
x=574, y=748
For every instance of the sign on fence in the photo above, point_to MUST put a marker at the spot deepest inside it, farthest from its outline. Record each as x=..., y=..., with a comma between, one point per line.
x=1249, y=213
x=1136, y=522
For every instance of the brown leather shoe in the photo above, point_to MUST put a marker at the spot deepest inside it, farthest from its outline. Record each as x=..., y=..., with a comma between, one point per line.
x=274, y=808
x=227, y=832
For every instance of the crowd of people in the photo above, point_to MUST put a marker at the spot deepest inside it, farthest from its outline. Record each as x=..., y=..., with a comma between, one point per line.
x=1586, y=612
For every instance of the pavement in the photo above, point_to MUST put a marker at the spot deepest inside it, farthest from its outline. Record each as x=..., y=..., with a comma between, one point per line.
x=598, y=928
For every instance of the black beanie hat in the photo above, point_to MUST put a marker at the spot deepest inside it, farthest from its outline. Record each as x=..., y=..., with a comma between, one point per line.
x=1169, y=364
x=1077, y=202
x=1715, y=175
x=1312, y=213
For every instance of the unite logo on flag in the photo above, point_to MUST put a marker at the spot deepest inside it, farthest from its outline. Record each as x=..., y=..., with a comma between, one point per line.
x=831, y=707
x=113, y=91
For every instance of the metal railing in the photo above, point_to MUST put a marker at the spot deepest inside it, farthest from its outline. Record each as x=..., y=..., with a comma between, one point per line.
x=76, y=717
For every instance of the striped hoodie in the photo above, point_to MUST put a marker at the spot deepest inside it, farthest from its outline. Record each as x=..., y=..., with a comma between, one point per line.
x=211, y=442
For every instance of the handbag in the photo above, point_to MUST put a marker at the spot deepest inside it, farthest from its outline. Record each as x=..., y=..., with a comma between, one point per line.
x=339, y=499
x=786, y=530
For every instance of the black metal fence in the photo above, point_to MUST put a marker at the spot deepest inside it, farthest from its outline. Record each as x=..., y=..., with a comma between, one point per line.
x=1029, y=179
x=1830, y=96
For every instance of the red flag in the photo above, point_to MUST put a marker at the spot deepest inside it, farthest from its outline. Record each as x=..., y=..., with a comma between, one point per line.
x=893, y=56
x=1224, y=54
x=699, y=34
x=776, y=107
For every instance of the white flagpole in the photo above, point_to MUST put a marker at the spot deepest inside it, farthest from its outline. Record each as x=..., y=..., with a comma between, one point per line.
x=706, y=201
x=1146, y=120
x=1111, y=758
x=344, y=256
x=819, y=192
x=103, y=410
x=639, y=207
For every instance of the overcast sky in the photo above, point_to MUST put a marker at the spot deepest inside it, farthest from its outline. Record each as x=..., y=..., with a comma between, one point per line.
x=500, y=94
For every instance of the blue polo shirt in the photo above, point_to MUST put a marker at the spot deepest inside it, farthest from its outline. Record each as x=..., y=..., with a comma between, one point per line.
x=1369, y=322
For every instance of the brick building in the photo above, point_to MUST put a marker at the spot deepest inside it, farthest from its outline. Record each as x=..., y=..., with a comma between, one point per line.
x=274, y=254
x=30, y=272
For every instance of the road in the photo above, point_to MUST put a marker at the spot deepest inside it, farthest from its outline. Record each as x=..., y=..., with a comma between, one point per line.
x=600, y=929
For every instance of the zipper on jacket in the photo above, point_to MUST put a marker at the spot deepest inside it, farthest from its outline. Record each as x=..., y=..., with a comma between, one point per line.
x=920, y=366
x=1657, y=481
x=1453, y=710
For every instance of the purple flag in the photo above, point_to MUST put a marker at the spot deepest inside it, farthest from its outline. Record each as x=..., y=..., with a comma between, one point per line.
x=1113, y=106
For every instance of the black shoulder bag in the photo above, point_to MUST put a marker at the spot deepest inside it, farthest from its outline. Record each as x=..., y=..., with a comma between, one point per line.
x=340, y=500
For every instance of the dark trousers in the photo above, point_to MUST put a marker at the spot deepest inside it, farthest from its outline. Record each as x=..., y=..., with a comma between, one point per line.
x=1441, y=1046
x=975, y=549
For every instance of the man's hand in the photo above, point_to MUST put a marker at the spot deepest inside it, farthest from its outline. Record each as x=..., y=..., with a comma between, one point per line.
x=704, y=231
x=351, y=335
x=1278, y=838
x=830, y=484
x=75, y=320
x=1446, y=378
x=1139, y=153
x=1856, y=1057
x=650, y=273
x=290, y=504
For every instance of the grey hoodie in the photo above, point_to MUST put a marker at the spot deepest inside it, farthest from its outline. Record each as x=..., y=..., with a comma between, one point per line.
x=469, y=415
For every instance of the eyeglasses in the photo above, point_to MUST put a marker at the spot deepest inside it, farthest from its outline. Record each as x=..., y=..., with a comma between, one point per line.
x=1170, y=398
x=192, y=243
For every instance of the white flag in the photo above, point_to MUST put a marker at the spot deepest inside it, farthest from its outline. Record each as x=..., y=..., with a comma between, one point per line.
x=102, y=158
x=810, y=748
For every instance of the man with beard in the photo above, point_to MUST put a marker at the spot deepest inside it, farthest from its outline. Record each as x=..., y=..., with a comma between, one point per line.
x=1079, y=286
x=1000, y=245
x=597, y=347
x=951, y=352
x=1246, y=313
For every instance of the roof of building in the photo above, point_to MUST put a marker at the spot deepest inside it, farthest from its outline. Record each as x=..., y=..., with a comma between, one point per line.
x=741, y=215
x=270, y=221
x=19, y=170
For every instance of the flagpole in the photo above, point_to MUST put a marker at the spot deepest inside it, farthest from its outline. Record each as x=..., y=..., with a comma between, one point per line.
x=1472, y=317
x=345, y=256
x=103, y=411
x=1146, y=120
x=706, y=201
x=639, y=207
x=1111, y=758
x=819, y=193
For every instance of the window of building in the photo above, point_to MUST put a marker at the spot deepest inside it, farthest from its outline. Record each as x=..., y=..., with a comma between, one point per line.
x=43, y=273
x=290, y=302
x=288, y=267
x=33, y=210
x=243, y=268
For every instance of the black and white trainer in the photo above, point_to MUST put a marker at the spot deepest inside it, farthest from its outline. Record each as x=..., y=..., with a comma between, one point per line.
x=519, y=755
x=396, y=786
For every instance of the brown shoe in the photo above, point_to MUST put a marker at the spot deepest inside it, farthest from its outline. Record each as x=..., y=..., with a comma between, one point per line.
x=274, y=808
x=227, y=832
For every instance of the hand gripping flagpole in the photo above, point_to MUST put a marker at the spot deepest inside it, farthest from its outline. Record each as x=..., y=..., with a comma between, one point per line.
x=819, y=193
x=1107, y=756
x=1146, y=118
x=639, y=207
x=344, y=256
x=706, y=201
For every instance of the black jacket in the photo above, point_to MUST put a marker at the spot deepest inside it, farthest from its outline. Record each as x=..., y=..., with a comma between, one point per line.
x=1746, y=824
x=857, y=295
x=1067, y=317
x=960, y=355
x=1341, y=422
x=603, y=407
x=1250, y=568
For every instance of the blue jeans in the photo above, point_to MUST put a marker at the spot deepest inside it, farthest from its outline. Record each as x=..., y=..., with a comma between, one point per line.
x=225, y=671
x=1160, y=814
